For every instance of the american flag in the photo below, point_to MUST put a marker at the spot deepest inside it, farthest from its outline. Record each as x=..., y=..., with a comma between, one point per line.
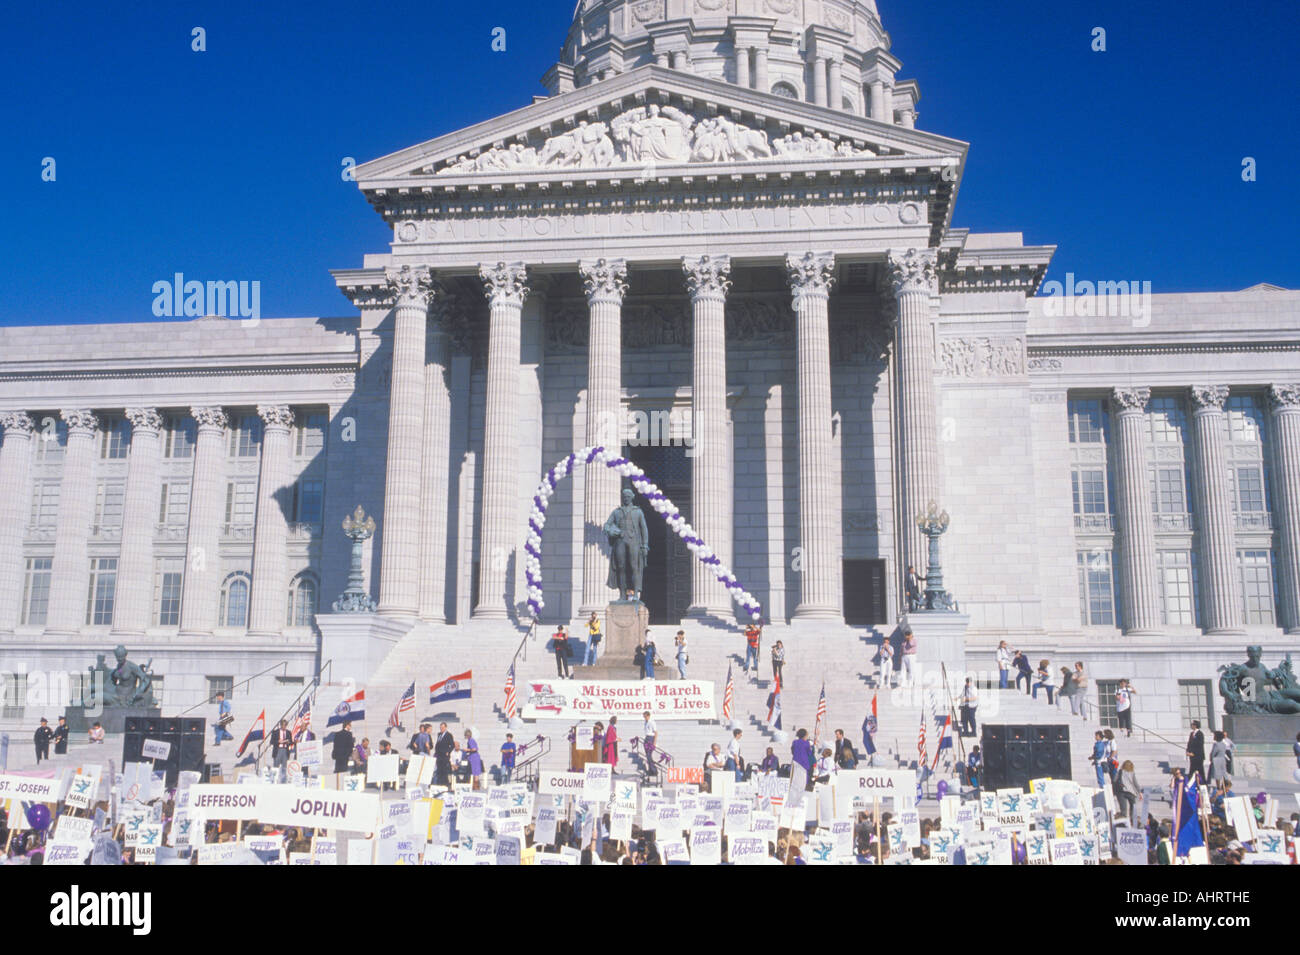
x=405, y=705
x=512, y=704
x=728, y=695
x=302, y=722
x=920, y=741
x=821, y=715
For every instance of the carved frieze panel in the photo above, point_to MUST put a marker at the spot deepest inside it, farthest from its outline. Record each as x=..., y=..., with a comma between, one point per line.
x=981, y=357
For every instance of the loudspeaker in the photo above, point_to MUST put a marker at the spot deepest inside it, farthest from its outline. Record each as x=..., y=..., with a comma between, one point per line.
x=994, y=734
x=1017, y=753
x=133, y=724
x=1020, y=734
x=186, y=736
x=191, y=726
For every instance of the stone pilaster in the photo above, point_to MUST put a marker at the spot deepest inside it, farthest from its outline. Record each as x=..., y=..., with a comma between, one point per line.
x=811, y=276
x=819, y=80
x=1139, y=595
x=399, y=570
x=506, y=288
x=742, y=67
x=269, y=600
x=835, y=83
x=201, y=585
x=15, y=493
x=913, y=275
x=131, y=610
x=1218, y=579
x=1285, y=400
x=71, y=567
x=605, y=281
x=434, y=474
x=707, y=279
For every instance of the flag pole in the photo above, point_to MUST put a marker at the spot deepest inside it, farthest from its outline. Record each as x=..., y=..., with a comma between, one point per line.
x=880, y=858
x=1178, y=808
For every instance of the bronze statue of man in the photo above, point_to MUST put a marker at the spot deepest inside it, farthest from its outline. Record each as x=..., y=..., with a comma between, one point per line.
x=629, y=546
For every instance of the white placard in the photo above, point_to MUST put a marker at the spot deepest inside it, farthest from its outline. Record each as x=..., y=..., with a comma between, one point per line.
x=673, y=852
x=747, y=850
x=547, y=821
x=281, y=805
x=596, y=782
x=1131, y=845
x=1065, y=851
x=620, y=825
x=561, y=783
x=381, y=769
x=578, y=700
x=361, y=852
x=67, y=852
x=706, y=846
x=29, y=788
x=309, y=752
x=863, y=786
x=155, y=749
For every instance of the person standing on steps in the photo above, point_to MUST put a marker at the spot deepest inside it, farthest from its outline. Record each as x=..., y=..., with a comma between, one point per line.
x=611, y=745
x=802, y=759
x=443, y=747
x=649, y=736
x=342, y=752
x=1124, y=706
x=42, y=739
x=913, y=588
x=753, y=635
x=735, y=762
x=1196, y=752
x=593, y=640
x=508, y=751
x=224, y=718
x=778, y=661
x=885, y=658
x=1043, y=680
x=1081, y=690
x=560, y=644
x=474, y=759
x=1004, y=664
x=845, y=758
x=909, y=657
x=282, y=745
x=61, y=737
x=683, y=657
x=969, y=701
x=1024, y=671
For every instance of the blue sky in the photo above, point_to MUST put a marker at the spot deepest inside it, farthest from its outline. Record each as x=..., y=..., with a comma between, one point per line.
x=226, y=164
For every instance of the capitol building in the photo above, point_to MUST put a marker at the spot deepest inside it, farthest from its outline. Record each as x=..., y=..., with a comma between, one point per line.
x=723, y=242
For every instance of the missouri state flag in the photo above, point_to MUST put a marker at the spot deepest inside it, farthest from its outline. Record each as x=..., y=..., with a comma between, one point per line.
x=351, y=710
x=255, y=733
x=458, y=687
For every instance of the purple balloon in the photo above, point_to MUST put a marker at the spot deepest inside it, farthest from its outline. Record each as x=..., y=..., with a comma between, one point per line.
x=942, y=788
x=38, y=816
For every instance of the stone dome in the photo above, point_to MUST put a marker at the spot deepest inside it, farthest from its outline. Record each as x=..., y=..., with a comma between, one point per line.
x=832, y=53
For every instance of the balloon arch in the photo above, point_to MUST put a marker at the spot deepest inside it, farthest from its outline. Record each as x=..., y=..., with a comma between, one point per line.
x=658, y=500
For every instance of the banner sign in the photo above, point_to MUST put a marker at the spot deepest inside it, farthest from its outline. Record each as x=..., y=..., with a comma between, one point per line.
x=29, y=788
x=561, y=783
x=865, y=785
x=600, y=699
x=281, y=805
x=686, y=774
x=155, y=749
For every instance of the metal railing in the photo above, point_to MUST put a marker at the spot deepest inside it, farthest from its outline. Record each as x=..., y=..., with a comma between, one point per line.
x=659, y=760
x=283, y=665
x=529, y=769
x=292, y=709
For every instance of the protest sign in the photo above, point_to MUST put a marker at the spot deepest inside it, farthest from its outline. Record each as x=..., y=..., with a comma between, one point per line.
x=509, y=849
x=819, y=848
x=147, y=841
x=419, y=771
x=764, y=824
x=324, y=851
x=361, y=852
x=596, y=782
x=471, y=814
x=400, y=814
x=673, y=852
x=1270, y=846
x=1131, y=845
x=577, y=700
x=625, y=794
x=747, y=850
x=862, y=786
x=620, y=825
x=218, y=853
x=544, y=831
x=84, y=789
x=737, y=817
x=446, y=855
x=75, y=828
x=270, y=849
x=485, y=851
x=29, y=788
x=706, y=846
x=155, y=749
x=300, y=858
x=561, y=783
x=685, y=774
x=381, y=769
x=309, y=752
x=842, y=837
x=67, y=852
x=1065, y=851
x=350, y=812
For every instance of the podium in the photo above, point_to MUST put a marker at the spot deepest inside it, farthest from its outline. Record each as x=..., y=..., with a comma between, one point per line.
x=626, y=622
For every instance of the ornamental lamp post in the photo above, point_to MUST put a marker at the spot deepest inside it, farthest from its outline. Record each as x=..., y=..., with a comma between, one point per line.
x=355, y=599
x=932, y=522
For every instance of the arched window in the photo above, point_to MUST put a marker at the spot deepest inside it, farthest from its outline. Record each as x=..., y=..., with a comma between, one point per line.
x=234, y=601
x=785, y=89
x=302, y=601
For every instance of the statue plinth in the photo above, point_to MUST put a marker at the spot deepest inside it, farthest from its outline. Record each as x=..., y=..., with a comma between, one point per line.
x=626, y=622
x=1261, y=728
x=111, y=718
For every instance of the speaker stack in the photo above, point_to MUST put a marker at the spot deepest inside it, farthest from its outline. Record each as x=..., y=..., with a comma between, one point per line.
x=186, y=735
x=1014, y=754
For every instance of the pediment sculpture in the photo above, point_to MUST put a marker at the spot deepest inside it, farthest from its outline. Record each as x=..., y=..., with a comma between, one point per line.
x=654, y=134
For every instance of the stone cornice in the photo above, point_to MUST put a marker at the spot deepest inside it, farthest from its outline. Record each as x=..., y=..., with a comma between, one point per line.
x=80, y=371
x=1119, y=347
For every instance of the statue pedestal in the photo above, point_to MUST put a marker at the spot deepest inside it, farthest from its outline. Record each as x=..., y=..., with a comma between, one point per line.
x=111, y=718
x=1264, y=742
x=625, y=625
x=940, y=639
x=358, y=642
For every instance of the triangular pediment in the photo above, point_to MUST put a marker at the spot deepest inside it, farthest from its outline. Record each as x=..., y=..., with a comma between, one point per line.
x=658, y=122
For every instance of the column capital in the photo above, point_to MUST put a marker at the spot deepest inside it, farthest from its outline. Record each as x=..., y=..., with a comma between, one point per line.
x=276, y=416
x=80, y=421
x=505, y=282
x=1131, y=400
x=605, y=280
x=1284, y=397
x=410, y=286
x=707, y=276
x=913, y=270
x=1209, y=398
x=17, y=423
x=212, y=417
x=812, y=273
x=144, y=419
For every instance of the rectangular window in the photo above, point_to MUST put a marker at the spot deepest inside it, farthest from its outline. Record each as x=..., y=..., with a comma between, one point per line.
x=1168, y=423
x=1168, y=490
x=114, y=437
x=174, y=503
x=241, y=502
x=109, y=499
x=220, y=684
x=15, y=696
x=36, y=590
x=1177, y=595
x=245, y=436
x=308, y=498
x=1256, y=569
x=1245, y=419
x=1248, y=488
x=1087, y=421
x=1096, y=588
x=1109, y=716
x=167, y=591
x=1089, y=486
x=180, y=436
x=51, y=438
x=45, y=503
x=1194, y=704
x=103, y=590
x=309, y=436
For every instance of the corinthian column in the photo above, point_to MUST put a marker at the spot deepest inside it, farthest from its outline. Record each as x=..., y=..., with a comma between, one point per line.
x=70, y=576
x=1286, y=457
x=707, y=279
x=200, y=587
x=606, y=283
x=1218, y=577
x=811, y=276
x=434, y=490
x=139, y=510
x=913, y=275
x=1138, y=594
x=15, y=470
x=506, y=288
x=399, y=570
x=267, y=606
